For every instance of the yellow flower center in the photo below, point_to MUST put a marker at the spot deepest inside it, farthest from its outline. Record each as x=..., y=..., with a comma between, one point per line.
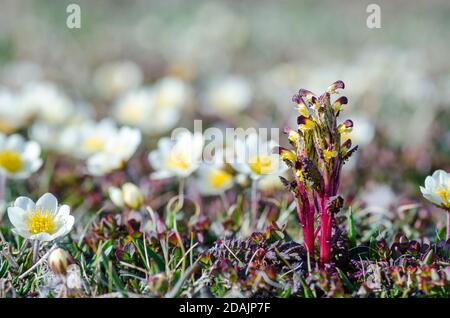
x=262, y=164
x=164, y=100
x=218, y=177
x=93, y=144
x=10, y=161
x=131, y=113
x=178, y=161
x=444, y=194
x=41, y=221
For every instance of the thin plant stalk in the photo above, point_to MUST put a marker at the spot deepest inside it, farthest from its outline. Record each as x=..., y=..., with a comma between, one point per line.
x=2, y=187
x=225, y=202
x=35, y=251
x=181, y=193
x=254, y=204
x=447, y=236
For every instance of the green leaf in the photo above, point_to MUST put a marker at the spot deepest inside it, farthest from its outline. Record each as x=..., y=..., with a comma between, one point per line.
x=306, y=290
x=109, y=268
x=427, y=260
x=351, y=231
x=345, y=280
x=3, y=268
x=140, y=248
x=373, y=248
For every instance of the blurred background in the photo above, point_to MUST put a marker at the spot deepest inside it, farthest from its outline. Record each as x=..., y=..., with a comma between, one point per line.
x=238, y=63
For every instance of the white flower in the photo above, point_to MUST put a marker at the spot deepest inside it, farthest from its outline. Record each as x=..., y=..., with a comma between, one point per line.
x=119, y=148
x=62, y=138
x=11, y=115
x=179, y=157
x=43, y=221
x=129, y=195
x=135, y=108
x=437, y=189
x=154, y=110
x=171, y=93
x=47, y=102
x=18, y=158
x=255, y=157
x=114, y=79
x=229, y=96
x=92, y=137
x=213, y=178
x=270, y=182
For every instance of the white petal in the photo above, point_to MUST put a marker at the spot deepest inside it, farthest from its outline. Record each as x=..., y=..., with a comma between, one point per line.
x=155, y=160
x=116, y=196
x=24, y=203
x=70, y=220
x=62, y=213
x=163, y=174
x=49, y=202
x=430, y=183
x=15, y=142
x=45, y=237
x=433, y=198
x=165, y=144
x=17, y=217
x=21, y=232
x=32, y=150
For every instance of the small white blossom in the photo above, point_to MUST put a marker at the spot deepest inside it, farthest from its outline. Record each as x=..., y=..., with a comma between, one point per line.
x=437, y=189
x=180, y=157
x=18, y=158
x=43, y=220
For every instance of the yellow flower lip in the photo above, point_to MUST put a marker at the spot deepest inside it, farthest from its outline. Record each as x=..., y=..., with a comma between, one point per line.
x=305, y=122
x=41, y=221
x=11, y=161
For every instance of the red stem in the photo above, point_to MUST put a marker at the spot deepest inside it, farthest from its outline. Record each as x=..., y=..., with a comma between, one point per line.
x=325, y=233
x=306, y=217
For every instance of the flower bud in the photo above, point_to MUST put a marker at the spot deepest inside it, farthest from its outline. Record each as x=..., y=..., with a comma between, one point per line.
x=116, y=196
x=287, y=156
x=132, y=196
x=306, y=93
x=337, y=106
x=336, y=85
x=129, y=196
x=345, y=127
x=347, y=144
x=293, y=136
x=305, y=123
x=58, y=260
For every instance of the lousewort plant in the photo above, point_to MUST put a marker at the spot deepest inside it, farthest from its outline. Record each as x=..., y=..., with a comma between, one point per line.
x=320, y=148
